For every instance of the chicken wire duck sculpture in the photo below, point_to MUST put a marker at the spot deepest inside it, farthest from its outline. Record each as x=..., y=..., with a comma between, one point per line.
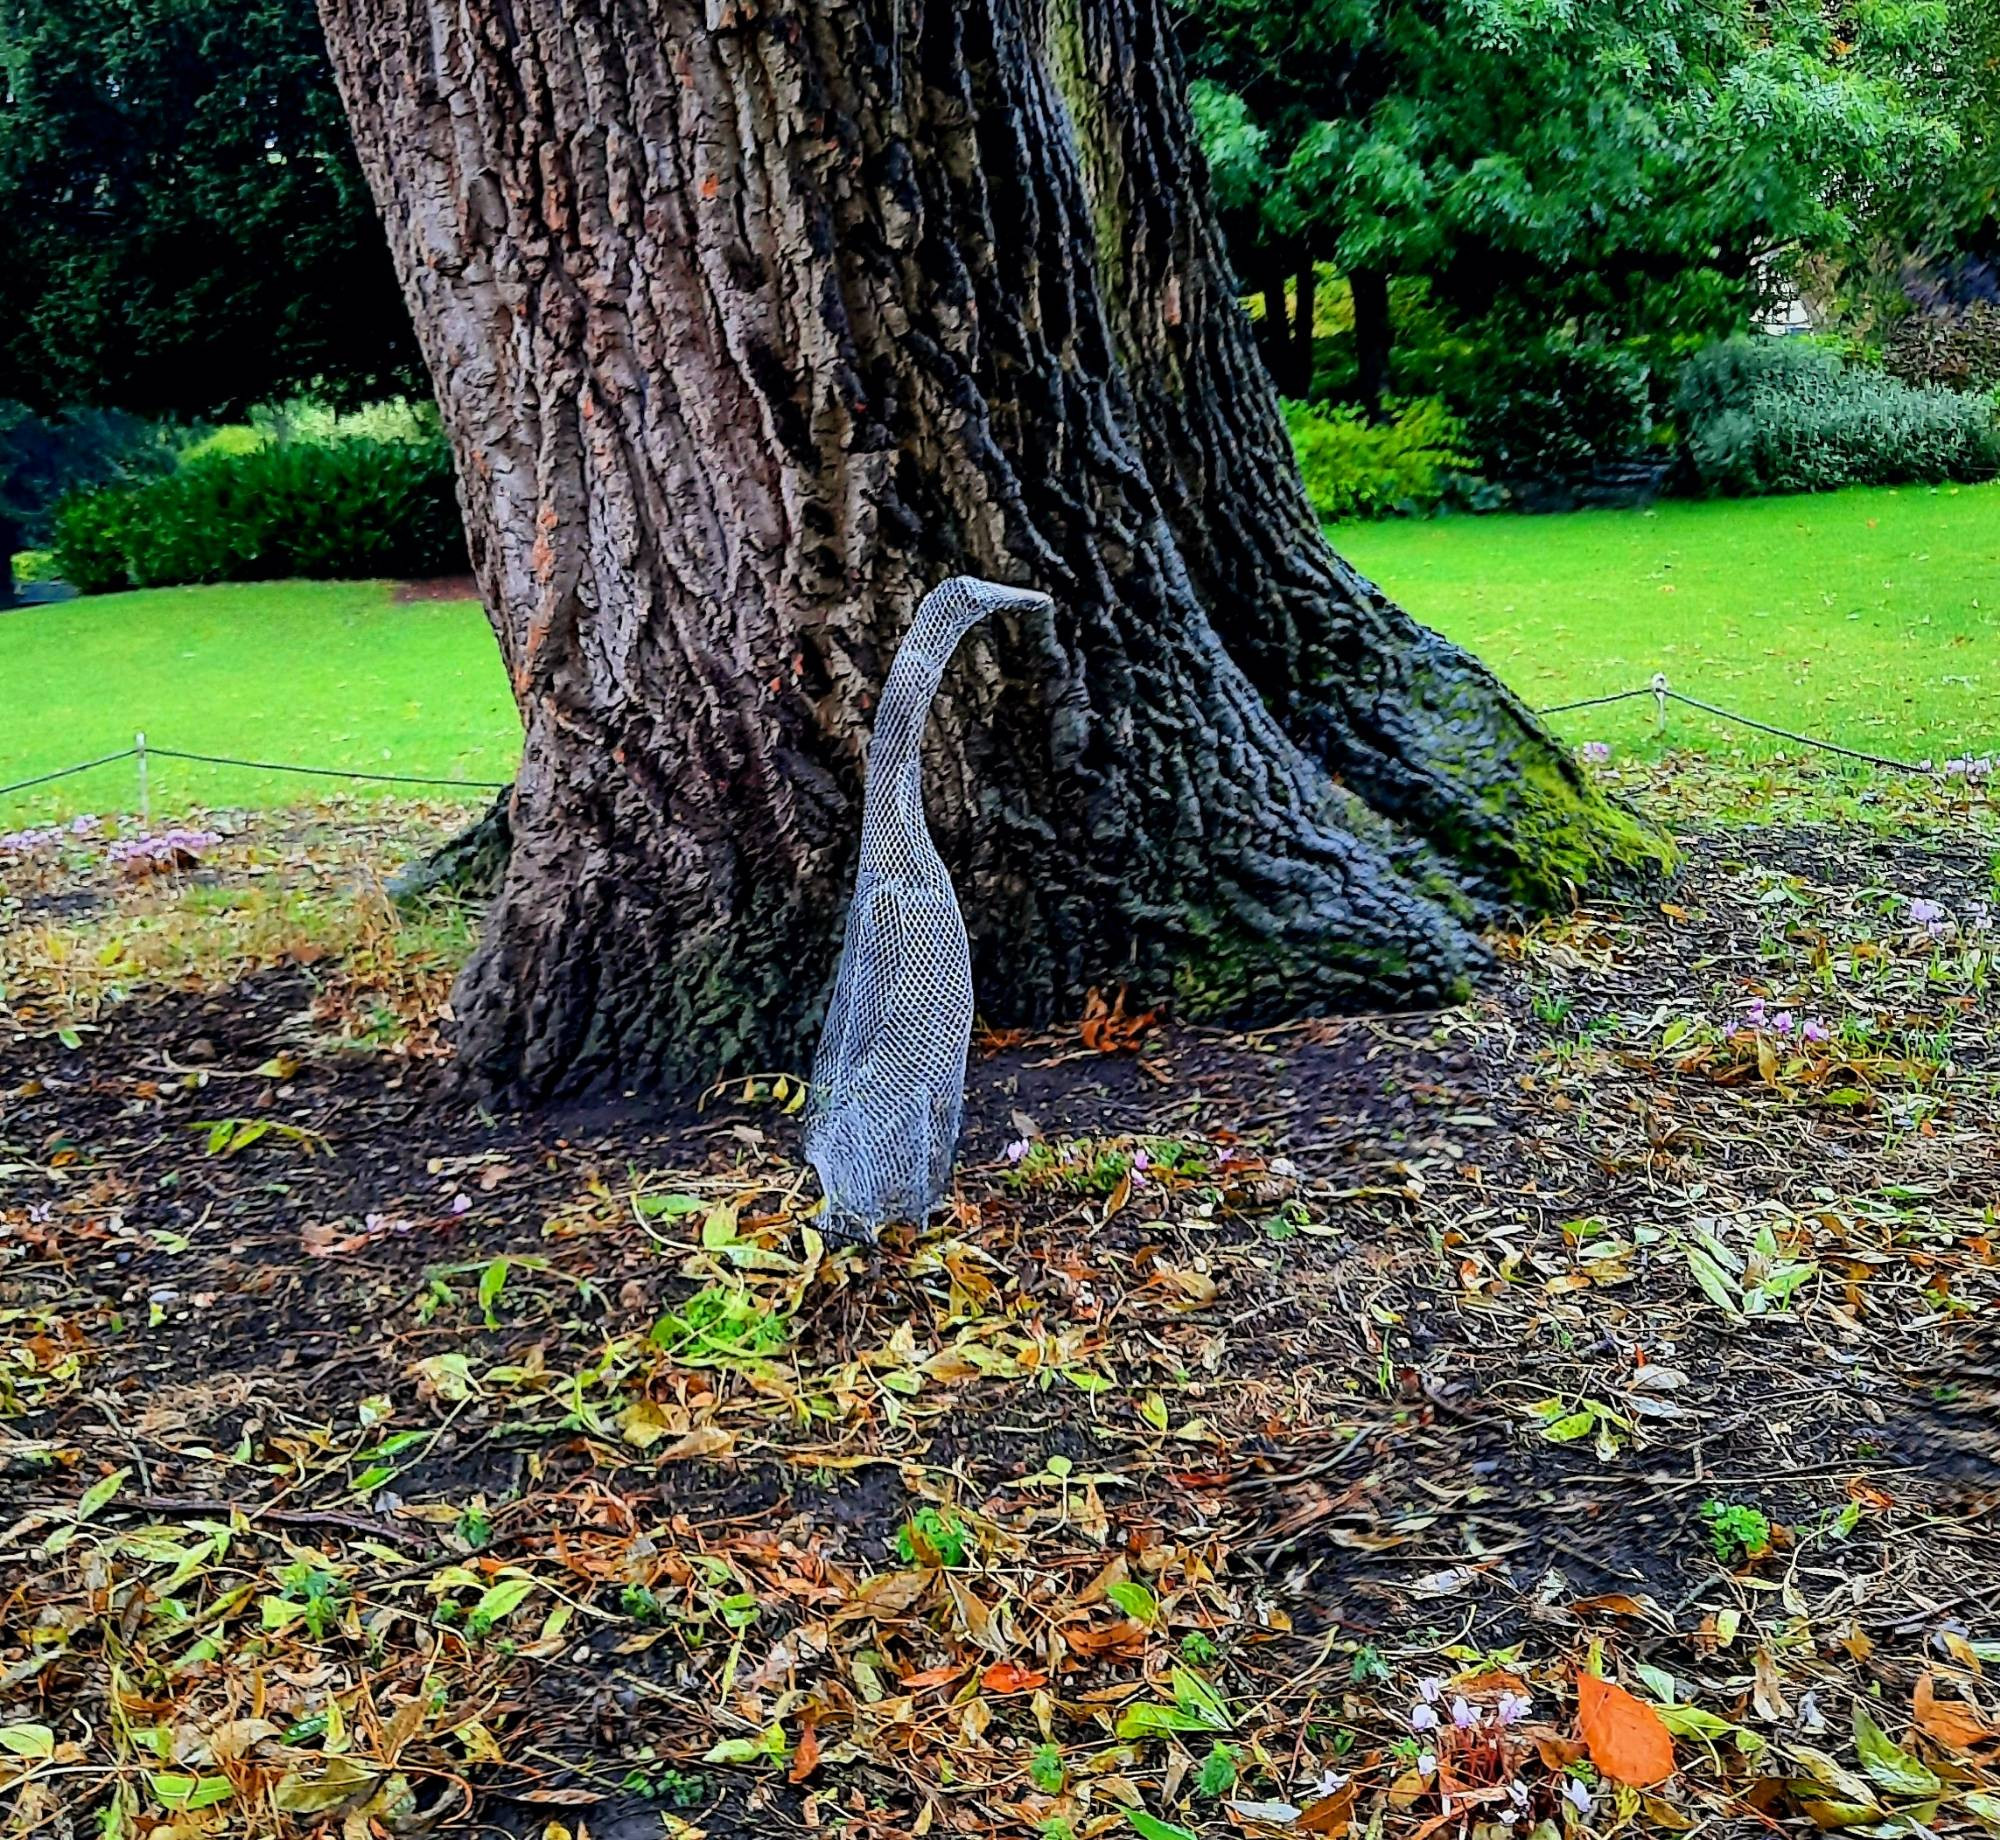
x=888, y=1082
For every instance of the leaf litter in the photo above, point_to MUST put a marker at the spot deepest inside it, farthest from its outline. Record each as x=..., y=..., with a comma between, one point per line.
x=1565, y=1414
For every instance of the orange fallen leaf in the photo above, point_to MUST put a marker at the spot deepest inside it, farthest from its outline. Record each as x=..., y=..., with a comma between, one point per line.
x=1106, y=1029
x=931, y=1677
x=805, y=1759
x=1331, y=1814
x=1951, y=1722
x=1011, y=1677
x=1627, y=1741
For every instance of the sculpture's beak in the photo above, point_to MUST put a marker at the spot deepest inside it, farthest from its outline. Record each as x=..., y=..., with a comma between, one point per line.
x=1021, y=601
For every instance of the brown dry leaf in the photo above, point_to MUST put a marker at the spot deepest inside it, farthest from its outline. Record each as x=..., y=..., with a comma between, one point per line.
x=702, y=1441
x=1626, y=1739
x=1618, y=1603
x=805, y=1759
x=886, y=1594
x=1331, y=1814
x=1951, y=1722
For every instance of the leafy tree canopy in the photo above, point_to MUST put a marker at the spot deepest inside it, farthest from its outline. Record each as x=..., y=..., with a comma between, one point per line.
x=187, y=230
x=1595, y=152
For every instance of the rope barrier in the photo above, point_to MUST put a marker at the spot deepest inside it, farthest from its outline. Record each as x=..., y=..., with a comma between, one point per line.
x=1658, y=689
x=1592, y=702
x=147, y=751
x=278, y=766
x=1830, y=747
x=82, y=766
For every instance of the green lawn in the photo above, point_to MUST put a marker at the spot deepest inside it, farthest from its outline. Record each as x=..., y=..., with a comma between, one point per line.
x=324, y=673
x=1870, y=617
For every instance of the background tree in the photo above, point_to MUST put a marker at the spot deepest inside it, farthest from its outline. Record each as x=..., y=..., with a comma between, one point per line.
x=187, y=232
x=749, y=323
x=1627, y=162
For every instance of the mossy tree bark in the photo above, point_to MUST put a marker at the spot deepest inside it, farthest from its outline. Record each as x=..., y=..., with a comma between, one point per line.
x=750, y=321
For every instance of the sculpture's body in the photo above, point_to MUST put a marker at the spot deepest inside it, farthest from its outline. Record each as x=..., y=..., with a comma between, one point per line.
x=888, y=1083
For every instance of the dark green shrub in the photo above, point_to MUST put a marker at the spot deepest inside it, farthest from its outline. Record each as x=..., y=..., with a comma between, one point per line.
x=1550, y=410
x=1354, y=468
x=89, y=550
x=1789, y=415
x=319, y=510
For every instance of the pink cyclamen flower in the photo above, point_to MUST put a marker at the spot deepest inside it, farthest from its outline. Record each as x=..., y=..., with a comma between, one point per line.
x=1815, y=1030
x=1430, y=1689
x=1925, y=913
x=1462, y=1714
x=1513, y=1708
x=1781, y=1023
x=461, y=1204
x=1423, y=1718
x=1577, y=1795
x=1017, y=1149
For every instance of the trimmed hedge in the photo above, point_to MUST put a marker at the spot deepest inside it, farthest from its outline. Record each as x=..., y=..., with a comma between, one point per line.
x=323, y=511
x=1354, y=468
x=1788, y=415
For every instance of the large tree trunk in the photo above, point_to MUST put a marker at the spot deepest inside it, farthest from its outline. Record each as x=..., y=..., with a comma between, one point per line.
x=1370, y=288
x=752, y=320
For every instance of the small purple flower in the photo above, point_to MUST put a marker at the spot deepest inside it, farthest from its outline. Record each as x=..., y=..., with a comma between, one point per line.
x=1518, y=1793
x=461, y=1204
x=1816, y=1030
x=1513, y=1708
x=1017, y=1149
x=1596, y=752
x=1753, y=1017
x=1925, y=913
x=1462, y=1714
x=1430, y=1689
x=1577, y=1795
x=1141, y=1161
x=1781, y=1023
x=1427, y=1763
x=1423, y=1718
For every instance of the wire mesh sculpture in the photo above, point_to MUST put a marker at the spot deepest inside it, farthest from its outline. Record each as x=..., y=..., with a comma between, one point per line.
x=888, y=1082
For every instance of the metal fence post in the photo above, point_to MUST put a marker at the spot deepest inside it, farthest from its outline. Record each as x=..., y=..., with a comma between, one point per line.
x=145, y=791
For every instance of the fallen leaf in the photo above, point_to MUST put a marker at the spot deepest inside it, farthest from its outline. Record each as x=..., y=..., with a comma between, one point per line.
x=1886, y=1760
x=702, y=1441
x=1011, y=1677
x=1626, y=1739
x=805, y=1759
x=1951, y=1722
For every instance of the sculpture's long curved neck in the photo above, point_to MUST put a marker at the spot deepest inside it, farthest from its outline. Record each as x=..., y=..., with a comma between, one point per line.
x=893, y=808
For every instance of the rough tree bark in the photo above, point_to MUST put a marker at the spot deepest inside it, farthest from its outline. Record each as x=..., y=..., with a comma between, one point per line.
x=752, y=319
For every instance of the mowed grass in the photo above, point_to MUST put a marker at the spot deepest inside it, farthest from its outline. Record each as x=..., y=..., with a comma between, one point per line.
x=329, y=674
x=1868, y=617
